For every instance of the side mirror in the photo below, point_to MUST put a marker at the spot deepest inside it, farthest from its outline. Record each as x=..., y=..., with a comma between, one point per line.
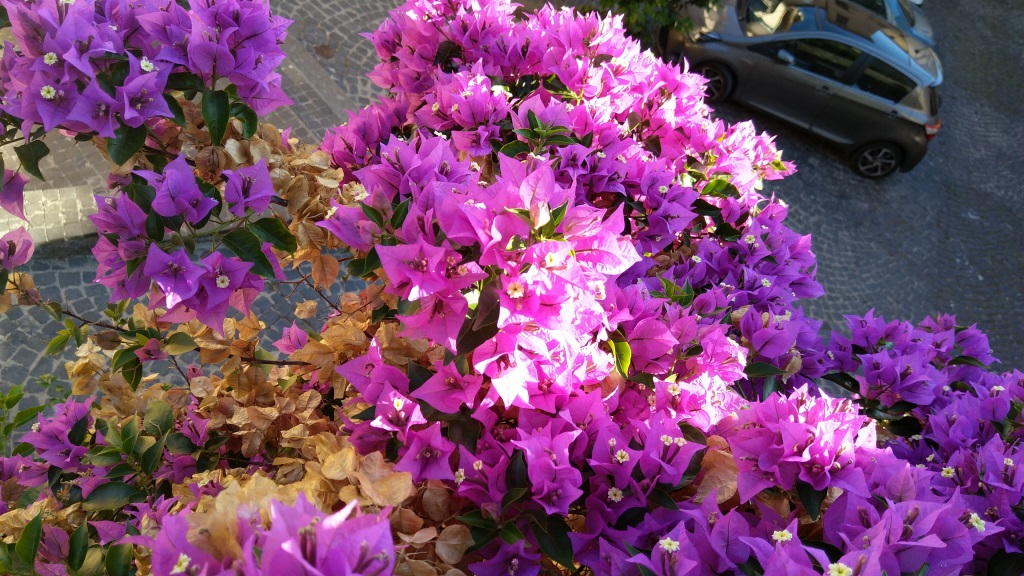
x=785, y=57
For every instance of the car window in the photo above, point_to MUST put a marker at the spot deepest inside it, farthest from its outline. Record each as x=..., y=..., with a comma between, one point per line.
x=822, y=57
x=908, y=12
x=876, y=6
x=885, y=81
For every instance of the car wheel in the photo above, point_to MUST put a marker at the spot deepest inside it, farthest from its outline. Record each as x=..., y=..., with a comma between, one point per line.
x=877, y=160
x=720, y=81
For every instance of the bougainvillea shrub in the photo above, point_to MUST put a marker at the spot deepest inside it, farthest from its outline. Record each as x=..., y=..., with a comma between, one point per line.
x=545, y=320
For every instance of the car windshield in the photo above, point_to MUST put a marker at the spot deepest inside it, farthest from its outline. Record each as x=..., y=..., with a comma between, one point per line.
x=766, y=17
x=908, y=11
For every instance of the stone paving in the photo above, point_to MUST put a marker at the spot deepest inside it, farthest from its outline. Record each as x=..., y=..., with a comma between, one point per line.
x=946, y=237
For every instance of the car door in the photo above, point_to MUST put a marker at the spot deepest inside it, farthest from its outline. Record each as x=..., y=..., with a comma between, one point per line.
x=868, y=110
x=797, y=91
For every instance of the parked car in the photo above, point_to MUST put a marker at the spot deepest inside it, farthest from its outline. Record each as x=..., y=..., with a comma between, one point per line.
x=827, y=67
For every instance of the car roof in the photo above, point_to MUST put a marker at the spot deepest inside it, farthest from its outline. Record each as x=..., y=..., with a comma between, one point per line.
x=839, y=19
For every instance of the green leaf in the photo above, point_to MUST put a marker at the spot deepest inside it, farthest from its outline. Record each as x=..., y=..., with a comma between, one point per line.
x=130, y=434
x=152, y=456
x=512, y=496
x=810, y=498
x=399, y=215
x=373, y=214
x=13, y=397
x=179, y=343
x=966, y=361
x=843, y=379
x=511, y=533
x=250, y=122
x=515, y=474
x=531, y=117
x=93, y=564
x=762, y=370
x=906, y=427
x=248, y=247
x=105, y=456
x=274, y=231
x=30, y=154
x=78, y=546
x=178, y=115
x=119, y=560
x=25, y=416
x=216, y=112
x=661, y=497
x=727, y=233
x=159, y=418
x=476, y=518
x=623, y=355
x=56, y=346
x=53, y=309
x=127, y=141
x=28, y=544
x=720, y=188
x=418, y=375
x=178, y=443
x=123, y=358
x=482, y=324
x=109, y=496
x=515, y=148
x=554, y=541
x=185, y=82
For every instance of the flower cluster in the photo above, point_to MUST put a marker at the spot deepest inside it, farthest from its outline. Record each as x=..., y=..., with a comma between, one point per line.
x=575, y=343
x=300, y=540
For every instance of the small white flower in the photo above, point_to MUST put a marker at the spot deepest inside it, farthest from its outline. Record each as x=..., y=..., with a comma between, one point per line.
x=921, y=466
x=668, y=545
x=48, y=92
x=666, y=440
x=622, y=456
x=663, y=189
x=460, y=476
x=600, y=154
x=680, y=441
x=675, y=389
x=435, y=107
x=839, y=569
x=478, y=465
x=766, y=283
x=516, y=290
x=50, y=58
x=70, y=2
x=1008, y=461
x=454, y=108
x=696, y=259
x=398, y=403
x=977, y=522
x=183, y=559
x=749, y=239
x=614, y=494
x=223, y=281
x=782, y=535
x=997, y=388
x=916, y=437
x=930, y=458
x=147, y=65
x=948, y=472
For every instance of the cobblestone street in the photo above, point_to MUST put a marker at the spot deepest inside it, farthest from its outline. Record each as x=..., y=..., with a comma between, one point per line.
x=947, y=237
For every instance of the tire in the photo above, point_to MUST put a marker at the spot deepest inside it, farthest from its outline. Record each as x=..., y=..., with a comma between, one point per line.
x=876, y=160
x=720, y=81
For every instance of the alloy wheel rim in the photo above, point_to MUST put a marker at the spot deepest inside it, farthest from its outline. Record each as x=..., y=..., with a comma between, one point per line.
x=877, y=161
x=715, y=82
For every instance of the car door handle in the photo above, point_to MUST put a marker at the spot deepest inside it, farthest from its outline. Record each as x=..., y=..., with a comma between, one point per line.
x=824, y=90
